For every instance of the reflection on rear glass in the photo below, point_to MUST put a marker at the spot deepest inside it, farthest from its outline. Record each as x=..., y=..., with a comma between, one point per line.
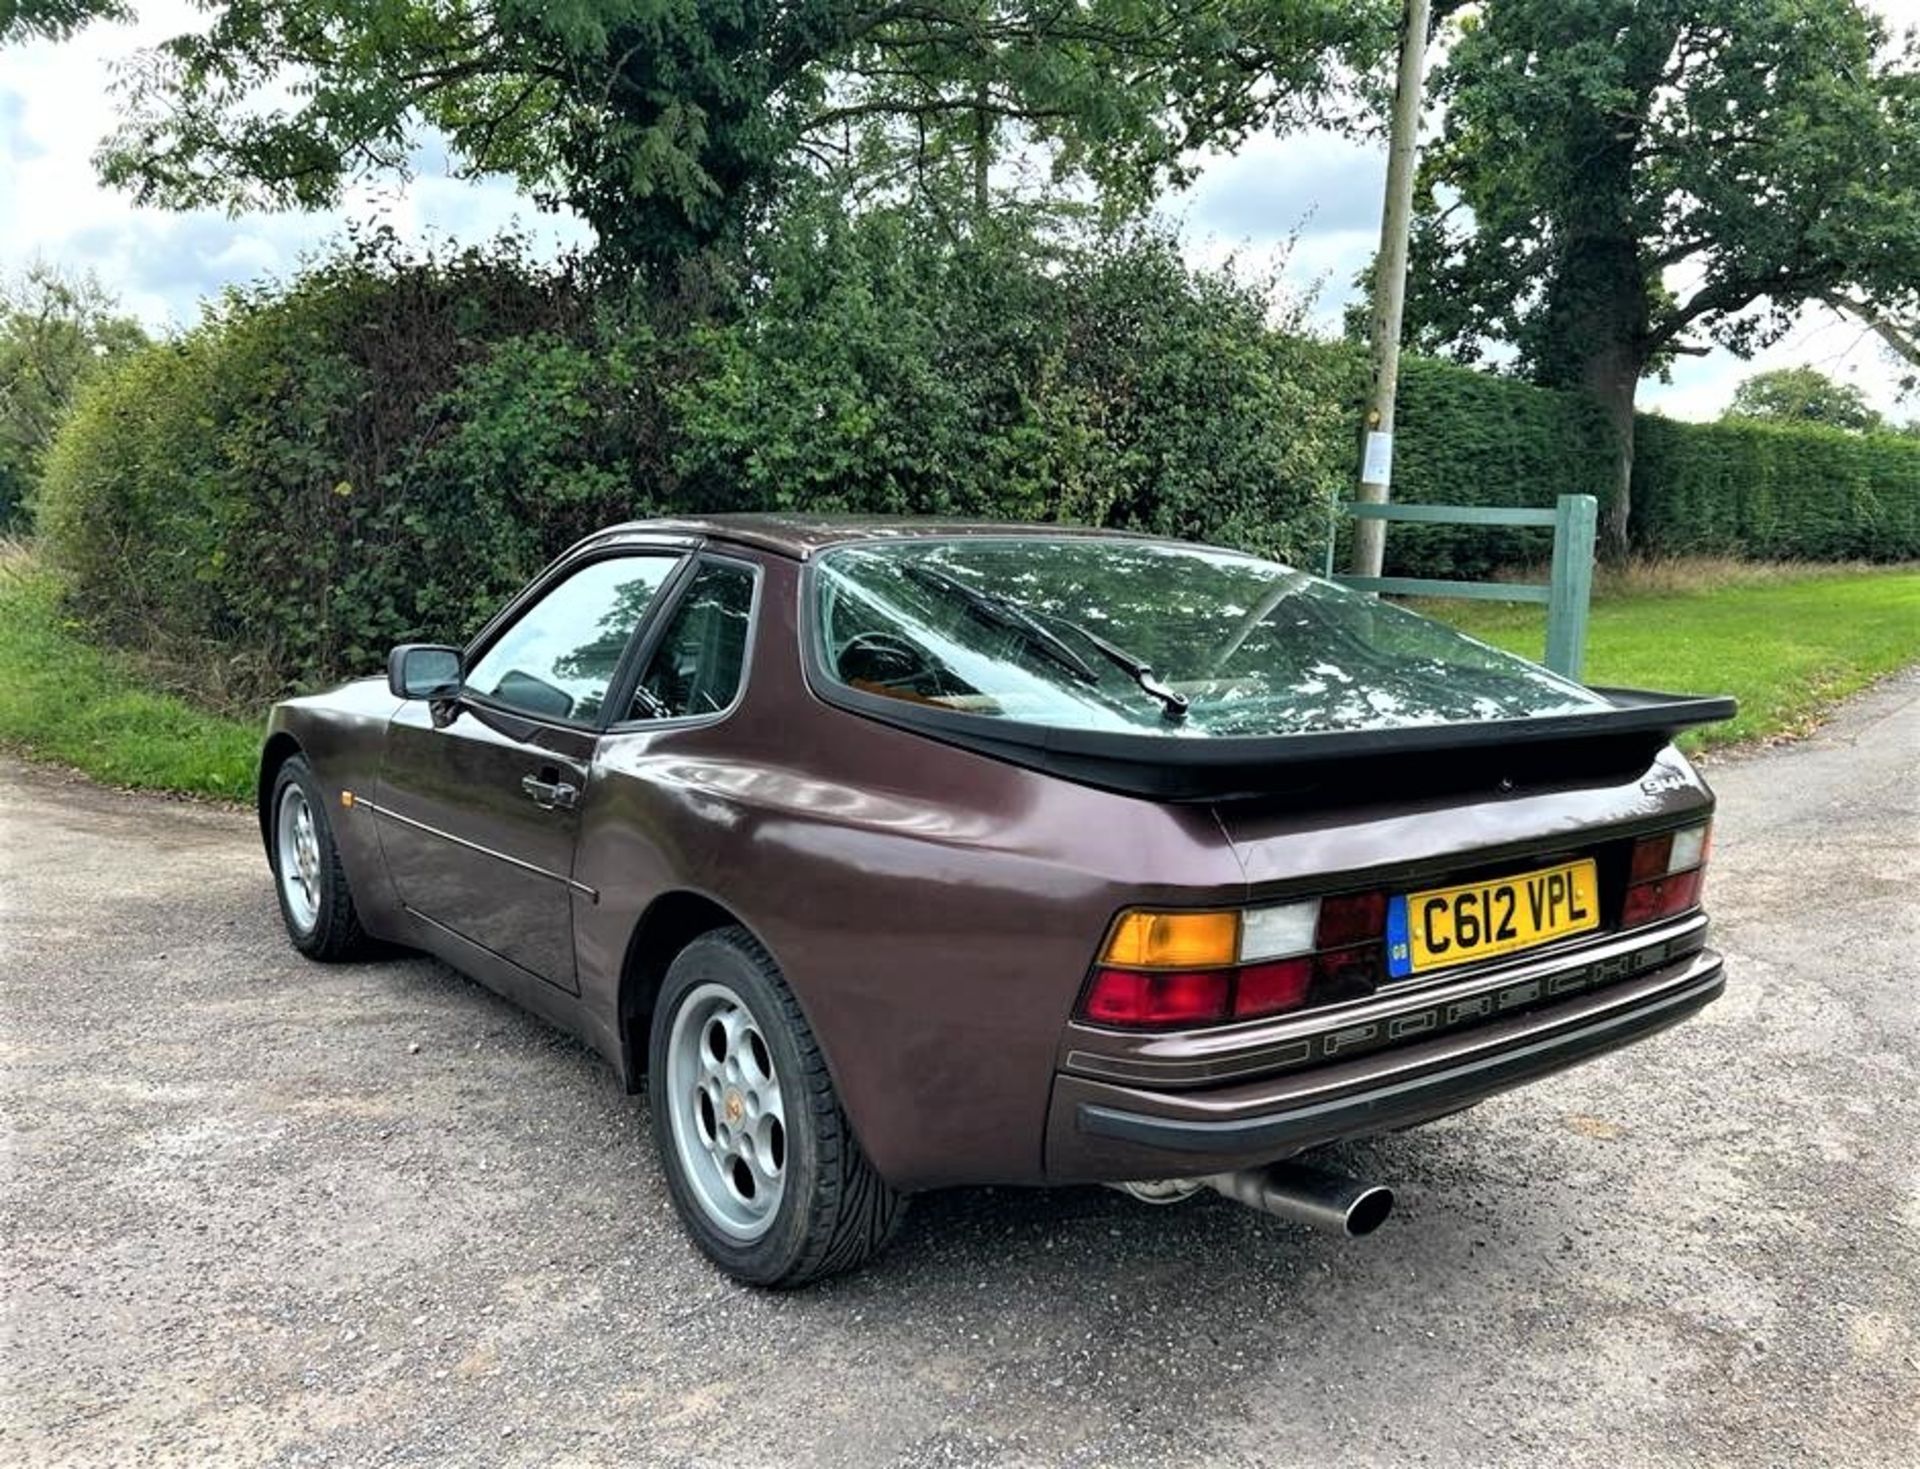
x=1255, y=648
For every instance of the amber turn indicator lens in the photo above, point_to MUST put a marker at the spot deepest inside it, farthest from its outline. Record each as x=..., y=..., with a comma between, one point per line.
x=1174, y=940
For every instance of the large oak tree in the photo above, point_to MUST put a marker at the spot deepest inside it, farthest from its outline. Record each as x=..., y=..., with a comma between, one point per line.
x=668, y=123
x=1618, y=181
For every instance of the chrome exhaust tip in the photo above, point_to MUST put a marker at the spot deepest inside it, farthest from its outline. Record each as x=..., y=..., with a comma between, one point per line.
x=1327, y=1201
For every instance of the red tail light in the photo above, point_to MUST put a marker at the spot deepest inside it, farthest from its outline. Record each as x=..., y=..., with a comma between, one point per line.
x=1351, y=918
x=1186, y=969
x=1267, y=989
x=1138, y=997
x=1665, y=875
x=1346, y=974
x=1650, y=858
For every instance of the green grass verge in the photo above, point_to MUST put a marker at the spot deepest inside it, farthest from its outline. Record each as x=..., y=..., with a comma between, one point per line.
x=63, y=700
x=1786, y=644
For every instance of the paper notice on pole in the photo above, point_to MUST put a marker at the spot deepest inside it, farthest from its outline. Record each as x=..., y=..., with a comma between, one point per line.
x=1376, y=465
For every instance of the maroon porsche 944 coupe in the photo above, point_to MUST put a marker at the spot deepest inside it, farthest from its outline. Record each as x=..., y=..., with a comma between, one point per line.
x=896, y=855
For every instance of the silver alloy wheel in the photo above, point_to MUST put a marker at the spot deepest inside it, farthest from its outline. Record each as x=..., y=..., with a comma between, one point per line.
x=724, y=1105
x=297, y=845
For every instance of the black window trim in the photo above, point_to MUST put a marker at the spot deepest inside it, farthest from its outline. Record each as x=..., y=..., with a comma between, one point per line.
x=686, y=553
x=627, y=679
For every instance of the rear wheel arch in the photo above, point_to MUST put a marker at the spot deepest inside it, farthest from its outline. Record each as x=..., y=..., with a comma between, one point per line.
x=671, y=922
x=734, y=1072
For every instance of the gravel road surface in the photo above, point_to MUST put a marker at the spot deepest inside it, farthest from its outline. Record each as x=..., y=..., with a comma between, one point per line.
x=258, y=1211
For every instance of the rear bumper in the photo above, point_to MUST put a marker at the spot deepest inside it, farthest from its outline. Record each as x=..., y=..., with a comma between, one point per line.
x=1101, y=1131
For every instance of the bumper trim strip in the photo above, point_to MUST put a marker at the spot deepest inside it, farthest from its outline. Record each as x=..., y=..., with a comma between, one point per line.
x=1392, y=1013
x=1377, y=1108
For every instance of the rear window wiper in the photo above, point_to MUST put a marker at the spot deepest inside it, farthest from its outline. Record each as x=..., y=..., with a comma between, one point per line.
x=999, y=612
x=1005, y=612
x=1173, y=705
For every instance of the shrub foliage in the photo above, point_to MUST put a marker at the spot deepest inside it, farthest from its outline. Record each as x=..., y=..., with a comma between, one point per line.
x=262, y=490
x=380, y=450
x=384, y=449
x=1109, y=386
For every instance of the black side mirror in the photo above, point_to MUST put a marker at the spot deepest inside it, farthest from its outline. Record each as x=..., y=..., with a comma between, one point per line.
x=423, y=671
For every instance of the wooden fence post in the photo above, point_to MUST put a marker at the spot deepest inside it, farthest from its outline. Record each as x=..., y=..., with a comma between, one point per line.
x=1566, y=594
x=1575, y=517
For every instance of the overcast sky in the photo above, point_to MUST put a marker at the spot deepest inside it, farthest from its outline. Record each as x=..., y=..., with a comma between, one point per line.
x=1321, y=192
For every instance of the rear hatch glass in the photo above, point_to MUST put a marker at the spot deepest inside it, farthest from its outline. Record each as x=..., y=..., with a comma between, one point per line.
x=1151, y=637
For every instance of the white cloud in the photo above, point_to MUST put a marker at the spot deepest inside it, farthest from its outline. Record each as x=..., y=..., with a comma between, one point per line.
x=56, y=103
x=1306, y=206
x=1838, y=346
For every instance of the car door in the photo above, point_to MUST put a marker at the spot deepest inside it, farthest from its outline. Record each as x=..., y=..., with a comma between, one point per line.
x=480, y=813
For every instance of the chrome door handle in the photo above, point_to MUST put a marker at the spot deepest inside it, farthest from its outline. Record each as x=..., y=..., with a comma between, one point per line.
x=554, y=795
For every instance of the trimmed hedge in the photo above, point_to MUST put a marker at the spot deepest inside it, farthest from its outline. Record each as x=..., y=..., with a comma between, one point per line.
x=386, y=447
x=1763, y=491
x=273, y=495
x=1776, y=492
x=1469, y=438
x=384, y=450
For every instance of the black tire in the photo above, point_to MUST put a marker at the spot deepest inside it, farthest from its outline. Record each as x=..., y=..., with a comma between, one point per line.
x=835, y=1211
x=334, y=935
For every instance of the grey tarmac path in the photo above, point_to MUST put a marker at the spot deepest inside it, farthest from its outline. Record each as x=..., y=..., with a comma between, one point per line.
x=256, y=1211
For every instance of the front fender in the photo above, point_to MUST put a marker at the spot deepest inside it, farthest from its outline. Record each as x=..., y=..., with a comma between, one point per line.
x=342, y=735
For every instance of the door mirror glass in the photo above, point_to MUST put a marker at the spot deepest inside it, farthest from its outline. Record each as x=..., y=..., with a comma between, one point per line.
x=423, y=671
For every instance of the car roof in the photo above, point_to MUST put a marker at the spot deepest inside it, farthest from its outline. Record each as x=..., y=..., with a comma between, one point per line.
x=800, y=536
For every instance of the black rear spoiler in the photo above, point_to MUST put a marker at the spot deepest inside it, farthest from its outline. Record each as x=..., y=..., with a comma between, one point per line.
x=1418, y=759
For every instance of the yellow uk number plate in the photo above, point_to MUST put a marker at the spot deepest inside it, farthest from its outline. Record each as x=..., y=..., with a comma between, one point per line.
x=1482, y=920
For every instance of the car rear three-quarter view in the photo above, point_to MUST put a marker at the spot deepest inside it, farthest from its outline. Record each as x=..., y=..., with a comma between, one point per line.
x=889, y=856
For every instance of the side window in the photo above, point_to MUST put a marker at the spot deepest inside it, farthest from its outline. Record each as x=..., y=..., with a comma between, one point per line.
x=699, y=663
x=558, y=657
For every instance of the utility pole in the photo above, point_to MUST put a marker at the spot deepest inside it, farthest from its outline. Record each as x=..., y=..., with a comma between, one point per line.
x=1390, y=288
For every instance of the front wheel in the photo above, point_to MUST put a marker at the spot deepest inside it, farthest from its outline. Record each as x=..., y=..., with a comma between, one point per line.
x=763, y=1168
x=308, y=877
